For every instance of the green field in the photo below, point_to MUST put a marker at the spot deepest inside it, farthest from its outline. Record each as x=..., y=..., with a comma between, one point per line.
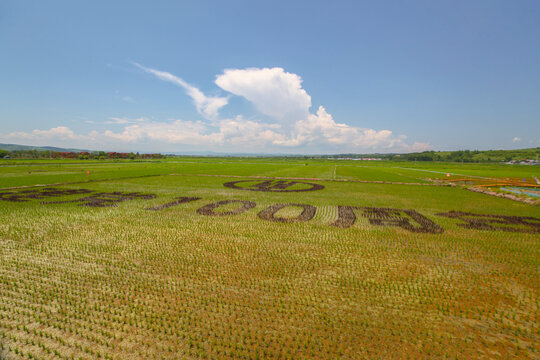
x=160, y=260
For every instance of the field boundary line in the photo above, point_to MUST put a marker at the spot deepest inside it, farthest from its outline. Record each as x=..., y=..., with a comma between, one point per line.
x=230, y=176
x=78, y=182
x=442, y=172
x=80, y=163
x=314, y=179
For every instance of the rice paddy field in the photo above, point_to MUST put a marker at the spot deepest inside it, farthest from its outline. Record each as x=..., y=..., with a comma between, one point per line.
x=229, y=258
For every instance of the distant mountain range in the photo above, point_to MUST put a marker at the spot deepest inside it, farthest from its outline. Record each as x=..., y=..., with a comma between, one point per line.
x=16, y=147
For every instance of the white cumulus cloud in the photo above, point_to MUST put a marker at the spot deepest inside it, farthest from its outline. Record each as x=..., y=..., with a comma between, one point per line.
x=274, y=92
x=280, y=96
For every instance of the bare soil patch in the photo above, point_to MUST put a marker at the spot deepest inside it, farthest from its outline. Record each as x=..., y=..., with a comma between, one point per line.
x=105, y=199
x=387, y=217
x=177, y=201
x=495, y=222
x=209, y=209
x=25, y=195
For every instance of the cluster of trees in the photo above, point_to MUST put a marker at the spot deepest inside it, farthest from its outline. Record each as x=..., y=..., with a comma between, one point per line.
x=452, y=156
x=471, y=156
x=82, y=155
x=449, y=156
x=456, y=156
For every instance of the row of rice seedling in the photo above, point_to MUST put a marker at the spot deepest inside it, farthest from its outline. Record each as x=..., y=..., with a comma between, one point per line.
x=125, y=282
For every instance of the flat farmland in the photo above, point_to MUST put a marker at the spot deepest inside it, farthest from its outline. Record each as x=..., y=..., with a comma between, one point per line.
x=225, y=258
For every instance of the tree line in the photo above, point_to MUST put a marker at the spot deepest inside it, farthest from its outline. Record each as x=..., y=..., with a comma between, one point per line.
x=82, y=155
x=455, y=156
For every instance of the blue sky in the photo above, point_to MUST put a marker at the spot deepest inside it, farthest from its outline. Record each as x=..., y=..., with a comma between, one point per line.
x=278, y=77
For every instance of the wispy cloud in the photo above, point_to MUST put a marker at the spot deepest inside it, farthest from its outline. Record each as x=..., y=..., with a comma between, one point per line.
x=236, y=134
x=59, y=132
x=516, y=139
x=206, y=105
x=289, y=125
x=119, y=120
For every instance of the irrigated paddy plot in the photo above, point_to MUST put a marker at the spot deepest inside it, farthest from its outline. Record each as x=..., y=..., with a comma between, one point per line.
x=264, y=259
